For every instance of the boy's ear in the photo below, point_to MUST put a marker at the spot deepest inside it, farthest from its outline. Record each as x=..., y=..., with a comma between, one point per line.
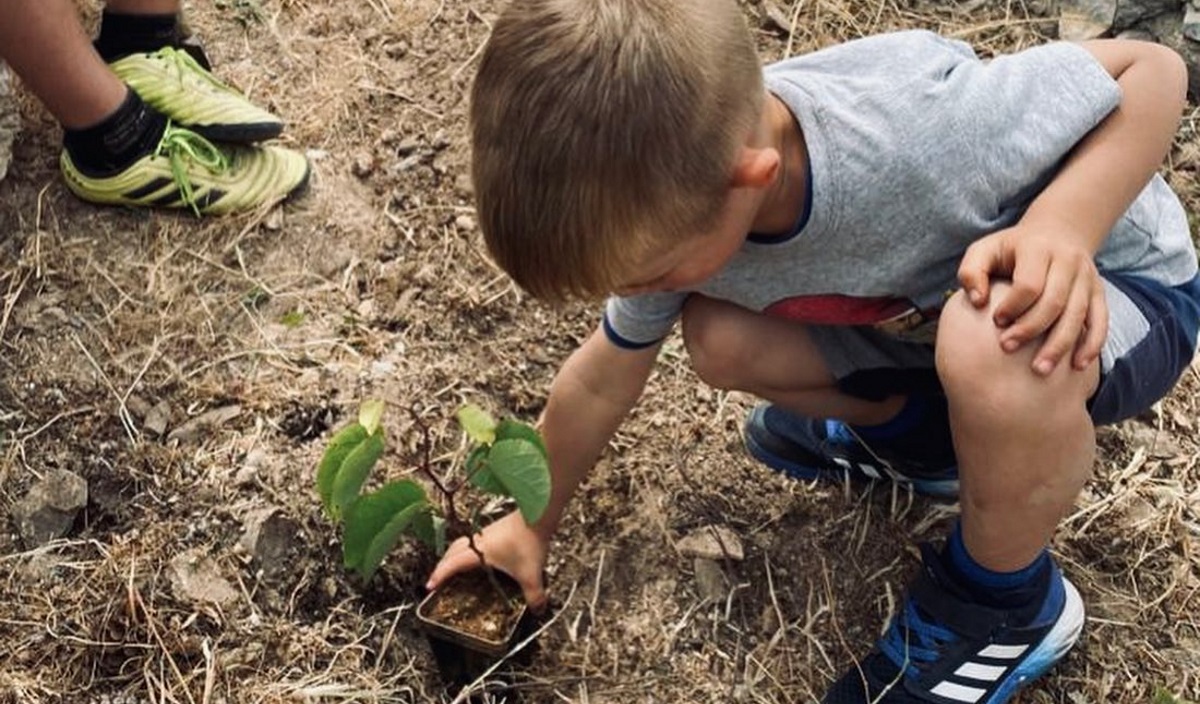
x=755, y=167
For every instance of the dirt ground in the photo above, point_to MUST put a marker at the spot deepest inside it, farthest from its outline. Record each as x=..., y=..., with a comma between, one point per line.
x=270, y=328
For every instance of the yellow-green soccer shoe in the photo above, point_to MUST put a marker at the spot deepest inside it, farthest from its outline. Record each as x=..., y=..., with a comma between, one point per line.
x=172, y=82
x=188, y=171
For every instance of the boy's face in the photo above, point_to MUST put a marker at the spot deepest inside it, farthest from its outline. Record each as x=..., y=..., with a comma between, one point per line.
x=691, y=262
x=688, y=264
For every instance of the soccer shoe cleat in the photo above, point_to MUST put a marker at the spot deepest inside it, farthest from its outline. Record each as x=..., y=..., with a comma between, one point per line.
x=188, y=171
x=807, y=449
x=941, y=648
x=171, y=81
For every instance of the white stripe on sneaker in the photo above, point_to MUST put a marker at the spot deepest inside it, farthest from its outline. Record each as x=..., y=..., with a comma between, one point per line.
x=958, y=693
x=1003, y=652
x=985, y=673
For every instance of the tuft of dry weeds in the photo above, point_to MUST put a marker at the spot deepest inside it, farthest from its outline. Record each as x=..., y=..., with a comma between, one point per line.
x=376, y=284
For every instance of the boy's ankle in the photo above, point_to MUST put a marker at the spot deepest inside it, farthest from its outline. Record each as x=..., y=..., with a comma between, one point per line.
x=1001, y=590
x=123, y=34
x=128, y=134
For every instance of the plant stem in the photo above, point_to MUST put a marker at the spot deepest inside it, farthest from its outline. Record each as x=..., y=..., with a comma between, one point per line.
x=487, y=569
x=426, y=469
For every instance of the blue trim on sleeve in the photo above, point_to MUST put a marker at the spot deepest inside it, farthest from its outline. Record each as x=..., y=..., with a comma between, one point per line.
x=615, y=337
x=759, y=238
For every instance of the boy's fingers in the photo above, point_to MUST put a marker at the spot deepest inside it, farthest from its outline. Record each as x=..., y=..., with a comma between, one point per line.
x=1097, y=329
x=1064, y=335
x=974, y=272
x=458, y=558
x=1028, y=282
x=1039, y=317
x=535, y=594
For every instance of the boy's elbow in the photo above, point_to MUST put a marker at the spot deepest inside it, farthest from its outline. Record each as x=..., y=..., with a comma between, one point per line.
x=1171, y=66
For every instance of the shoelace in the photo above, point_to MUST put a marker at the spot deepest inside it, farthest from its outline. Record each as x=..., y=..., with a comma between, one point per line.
x=911, y=641
x=183, y=146
x=185, y=65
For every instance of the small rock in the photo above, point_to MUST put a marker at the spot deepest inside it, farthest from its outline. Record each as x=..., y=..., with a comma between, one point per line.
x=407, y=147
x=383, y=369
x=775, y=18
x=466, y=223
x=710, y=579
x=158, y=418
x=363, y=166
x=49, y=509
x=1080, y=20
x=10, y=120
x=137, y=405
x=204, y=423
x=269, y=538
x=274, y=221
x=1191, y=23
x=712, y=543
x=195, y=577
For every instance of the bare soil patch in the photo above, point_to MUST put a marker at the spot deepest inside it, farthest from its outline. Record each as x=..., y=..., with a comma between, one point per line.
x=120, y=329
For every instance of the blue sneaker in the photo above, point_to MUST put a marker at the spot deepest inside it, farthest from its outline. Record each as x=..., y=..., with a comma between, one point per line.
x=942, y=648
x=807, y=449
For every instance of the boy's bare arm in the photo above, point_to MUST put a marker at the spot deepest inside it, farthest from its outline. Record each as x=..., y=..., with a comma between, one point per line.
x=1049, y=254
x=590, y=397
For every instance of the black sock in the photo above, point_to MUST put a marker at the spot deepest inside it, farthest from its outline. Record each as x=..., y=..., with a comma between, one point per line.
x=920, y=431
x=121, y=35
x=118, y=140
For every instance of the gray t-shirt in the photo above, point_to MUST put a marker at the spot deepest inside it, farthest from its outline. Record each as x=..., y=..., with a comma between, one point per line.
x=918, y=148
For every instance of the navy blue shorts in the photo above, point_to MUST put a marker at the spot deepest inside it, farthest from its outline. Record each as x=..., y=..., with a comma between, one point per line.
x=1151, y=341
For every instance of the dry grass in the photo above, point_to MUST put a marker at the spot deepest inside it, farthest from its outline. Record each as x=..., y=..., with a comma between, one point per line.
x=375, y=285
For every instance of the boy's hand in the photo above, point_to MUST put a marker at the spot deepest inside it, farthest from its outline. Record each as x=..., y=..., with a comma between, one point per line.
x=509, y=545
x=1056, y=291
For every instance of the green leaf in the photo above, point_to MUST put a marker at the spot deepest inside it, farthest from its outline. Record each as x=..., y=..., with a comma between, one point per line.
x=523, y=470
x=339, y=447
x=516, y=430
x=376, y=521
x=480, y=475
x=292, y=319
x=354, y=470
x=478, y=424
x=369, y=414
x=430, y=528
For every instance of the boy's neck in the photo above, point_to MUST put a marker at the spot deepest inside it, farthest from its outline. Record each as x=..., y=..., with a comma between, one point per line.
x=785, y=201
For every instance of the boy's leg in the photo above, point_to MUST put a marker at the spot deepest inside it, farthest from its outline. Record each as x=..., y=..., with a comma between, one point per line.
x=45, y=44
x=992, y=611
x=1025, y=443
x=892, y=425
x=733, y=348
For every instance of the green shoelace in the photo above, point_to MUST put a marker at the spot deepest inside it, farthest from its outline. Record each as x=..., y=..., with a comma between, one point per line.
x=185, y=65
x=183, y=147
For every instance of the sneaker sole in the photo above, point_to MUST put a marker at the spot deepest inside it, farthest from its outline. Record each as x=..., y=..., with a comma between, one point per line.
x=242, y=134
x=938, y=488
x=1053, y=647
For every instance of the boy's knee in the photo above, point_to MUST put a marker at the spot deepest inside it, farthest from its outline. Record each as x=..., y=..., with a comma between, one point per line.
x=974, y=369
x=714, y=341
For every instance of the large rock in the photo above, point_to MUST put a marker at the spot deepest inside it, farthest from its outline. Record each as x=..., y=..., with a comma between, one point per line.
x=49, y=509
x=1174, y=23
x=10, y=121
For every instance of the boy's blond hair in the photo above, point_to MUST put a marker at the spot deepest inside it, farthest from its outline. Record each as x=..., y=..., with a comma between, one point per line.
x=605, y=130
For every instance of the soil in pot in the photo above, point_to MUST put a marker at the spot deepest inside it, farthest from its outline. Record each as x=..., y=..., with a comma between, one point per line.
x=470, y=624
